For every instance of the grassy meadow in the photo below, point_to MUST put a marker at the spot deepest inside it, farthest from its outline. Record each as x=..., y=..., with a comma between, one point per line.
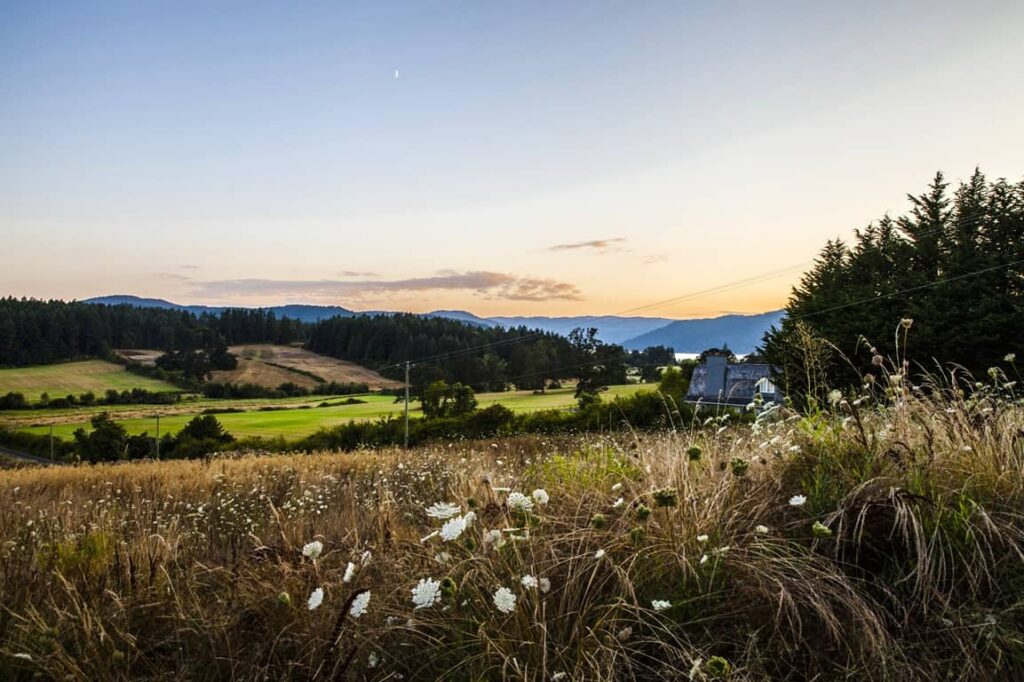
x=288, y=423
x=866, y=541
x=75, y=378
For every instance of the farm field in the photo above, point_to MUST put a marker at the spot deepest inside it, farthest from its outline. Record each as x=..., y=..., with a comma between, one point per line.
x=75, y=377
x=291, y=423
x=303, y=361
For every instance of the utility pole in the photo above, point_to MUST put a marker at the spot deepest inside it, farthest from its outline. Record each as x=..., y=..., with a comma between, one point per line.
x=406, y=403
x=158, y=436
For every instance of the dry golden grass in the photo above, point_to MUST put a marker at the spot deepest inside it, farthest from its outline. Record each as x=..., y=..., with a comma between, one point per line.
x=195, y=570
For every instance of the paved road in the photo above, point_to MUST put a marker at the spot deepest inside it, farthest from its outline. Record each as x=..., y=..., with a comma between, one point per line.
x=25, y=456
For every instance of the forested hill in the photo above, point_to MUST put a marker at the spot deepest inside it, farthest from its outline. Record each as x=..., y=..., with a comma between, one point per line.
x=484, y=357
x=34, y=332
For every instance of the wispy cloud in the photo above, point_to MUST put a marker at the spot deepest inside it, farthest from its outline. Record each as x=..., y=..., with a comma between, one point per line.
x=356, y=273
x=494, y=285
x=593, y=244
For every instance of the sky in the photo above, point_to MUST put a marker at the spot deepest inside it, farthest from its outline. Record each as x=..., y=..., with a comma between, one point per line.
x=506, y=158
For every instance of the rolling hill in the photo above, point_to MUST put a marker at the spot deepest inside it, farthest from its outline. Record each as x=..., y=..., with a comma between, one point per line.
x=742, y=333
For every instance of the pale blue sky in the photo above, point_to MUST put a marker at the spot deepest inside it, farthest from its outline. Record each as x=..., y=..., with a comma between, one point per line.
x=264, y=152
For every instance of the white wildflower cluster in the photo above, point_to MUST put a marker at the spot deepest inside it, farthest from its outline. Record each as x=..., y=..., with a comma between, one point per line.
x=660, y=604
x=427, y=593
x=442, y=510
x=504, y=600
x=359, y=604
x=316, y=598
x=312, y=550
x=519, y=502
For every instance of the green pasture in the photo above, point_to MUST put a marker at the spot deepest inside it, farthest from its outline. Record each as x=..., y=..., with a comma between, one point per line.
x=293, y=422
x=75, y=378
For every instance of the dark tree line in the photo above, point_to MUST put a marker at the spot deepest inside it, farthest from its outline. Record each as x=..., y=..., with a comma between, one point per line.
x=34, y=332
x=953, y=265
x=484, y=358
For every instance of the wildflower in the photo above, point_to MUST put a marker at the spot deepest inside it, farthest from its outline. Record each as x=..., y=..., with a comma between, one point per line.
x=820, y=530
x=618, y=503
x=528, y=581
x=761, y=530
x=617, y=487
x=558, y=676
x=426, y=593
x=350, y=572
x=1010, y=357
x=453, y=528
x=442, y=510
x=540, y=496
x=544, y=584
x=599, y=554
x=504, y=600
x=797, y=500
x=643, y=512
x=666, y=497
x=599, y=521
x=359, y=604
x=469, y=517
x=718, y=667
x=794, y=448
x=834, y=396
x=702, y=538
x=372, y=660
x=660, y=604
x=492, y=536
x=315, y=598
x=311, y=550
x=364, y=560
x=703, y=558
x=519, y=502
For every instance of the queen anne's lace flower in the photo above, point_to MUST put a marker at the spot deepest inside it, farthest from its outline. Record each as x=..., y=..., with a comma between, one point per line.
x=660, y=604
x=312, y=550
x=442, y=510
x=529, y=581
x=359, y=604
x=797, y=500
x=540, y=496
x=545, y=585
x=519, y=502
x=599, y=554
x=453, y=528
x=316, y=598
x=426, y=593
x=504, y=600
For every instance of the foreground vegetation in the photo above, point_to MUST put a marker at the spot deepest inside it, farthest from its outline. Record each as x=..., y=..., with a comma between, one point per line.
x=881, y=538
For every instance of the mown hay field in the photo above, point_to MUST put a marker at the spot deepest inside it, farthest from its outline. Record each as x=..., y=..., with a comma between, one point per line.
x=881, y=542
x=75, y=378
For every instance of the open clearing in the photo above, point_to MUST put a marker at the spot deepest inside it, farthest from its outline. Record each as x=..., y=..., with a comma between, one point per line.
x=75, y=377
x=294, y=422
x=302, y=360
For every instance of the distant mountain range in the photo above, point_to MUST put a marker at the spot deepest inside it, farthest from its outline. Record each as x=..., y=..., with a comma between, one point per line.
x=742, y=333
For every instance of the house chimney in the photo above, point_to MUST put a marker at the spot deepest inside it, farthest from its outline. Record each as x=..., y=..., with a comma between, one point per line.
x=717, y=365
